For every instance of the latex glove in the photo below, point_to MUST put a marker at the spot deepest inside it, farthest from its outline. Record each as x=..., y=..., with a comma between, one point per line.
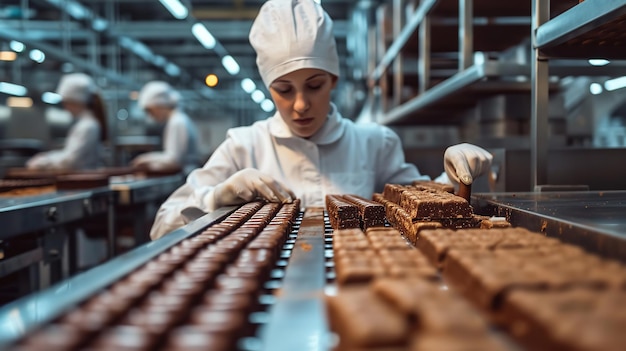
x=247, y=185
x=154, y=162
x=39, y=161
x=141, y=161
x=465, y=162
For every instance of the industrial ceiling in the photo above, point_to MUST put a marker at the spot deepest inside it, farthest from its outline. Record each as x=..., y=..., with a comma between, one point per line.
x=125, y=43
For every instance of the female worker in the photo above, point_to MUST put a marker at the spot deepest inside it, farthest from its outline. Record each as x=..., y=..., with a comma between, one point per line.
x=83, y=146
x=306, y=150
x=180, y=139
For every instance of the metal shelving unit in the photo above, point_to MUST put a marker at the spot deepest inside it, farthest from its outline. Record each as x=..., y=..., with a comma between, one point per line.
x=448, y=82
x=591, y=29
x=427, y=36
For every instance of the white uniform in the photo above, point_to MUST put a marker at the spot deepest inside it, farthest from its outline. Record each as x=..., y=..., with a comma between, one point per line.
x=82, y=148
x=180, y=145
x=342, y=157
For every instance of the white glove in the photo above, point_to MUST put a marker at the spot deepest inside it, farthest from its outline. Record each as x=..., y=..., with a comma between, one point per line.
x=39, y=161
x=154, y=162
x=465, y=162
x=247, y=185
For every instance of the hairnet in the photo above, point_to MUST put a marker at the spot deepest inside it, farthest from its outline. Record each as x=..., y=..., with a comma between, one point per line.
x=77, y=87
x=158, y=93
x=289, y=35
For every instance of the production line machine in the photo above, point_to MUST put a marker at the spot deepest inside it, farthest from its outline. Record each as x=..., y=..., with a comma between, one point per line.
x=40, y=215
x=277, y=277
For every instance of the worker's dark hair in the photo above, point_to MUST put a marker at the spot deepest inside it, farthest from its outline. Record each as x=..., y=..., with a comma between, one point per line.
x=96, y=105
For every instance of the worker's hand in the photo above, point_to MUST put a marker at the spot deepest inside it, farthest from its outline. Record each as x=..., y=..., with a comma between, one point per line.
x=247, y=185
x=157, y=162
x=142, y=161
x=465, y=162
x=39, y=161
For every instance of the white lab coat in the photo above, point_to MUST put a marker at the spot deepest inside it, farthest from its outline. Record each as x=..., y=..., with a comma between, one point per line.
x=82, y=149
x=343, y=157
x=180, y=146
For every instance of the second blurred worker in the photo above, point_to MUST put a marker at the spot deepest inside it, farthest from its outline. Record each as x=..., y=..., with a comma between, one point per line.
x=83, y=144
x=180, y=139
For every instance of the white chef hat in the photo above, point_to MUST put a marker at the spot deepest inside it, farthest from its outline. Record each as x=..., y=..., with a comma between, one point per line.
x=158, y=93
x=289, y=35
x=77, y=87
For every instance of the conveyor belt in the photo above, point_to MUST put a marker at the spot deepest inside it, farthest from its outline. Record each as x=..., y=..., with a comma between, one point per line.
x=143, y=190
x=300, y=307
x=22, y=316
x=292, y=302
x=29, y=214
x=294, y=294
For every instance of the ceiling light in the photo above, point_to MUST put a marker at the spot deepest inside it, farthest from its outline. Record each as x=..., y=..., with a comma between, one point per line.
x=8, y=56
x=230, y=64
x=76, y=10
x=23, y=102
x=267, y=105
x=258, y=96
x=172, y=69
x=614, y=84
x=50, y=98
x=12, y=89
x=17, y=46
x=203, y=35
x=248, y=85
x=595, y=88
x=160, y=61
x=599, y=62
x=176, y=8
x=37, y=55
x=99, y=24
x=211, y=80
x=73, y=8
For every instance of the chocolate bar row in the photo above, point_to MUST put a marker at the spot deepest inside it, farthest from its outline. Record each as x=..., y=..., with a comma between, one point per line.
x=352, y=211
x=196, y=296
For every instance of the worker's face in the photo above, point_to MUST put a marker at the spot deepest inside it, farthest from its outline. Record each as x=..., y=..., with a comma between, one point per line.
x=159, y=113
x=75, y=108
x=303, y=99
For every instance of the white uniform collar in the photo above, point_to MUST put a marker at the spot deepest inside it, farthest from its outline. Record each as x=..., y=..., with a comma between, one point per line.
x=84, y=115
x=330, y=132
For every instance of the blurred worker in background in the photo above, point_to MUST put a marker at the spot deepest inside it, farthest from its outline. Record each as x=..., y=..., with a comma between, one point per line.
x=83, y=147
x=180, y=139
x=307, y=149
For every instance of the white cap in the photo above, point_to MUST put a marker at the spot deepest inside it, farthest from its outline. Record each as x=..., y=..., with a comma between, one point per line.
x=289, y=35
x=77, y=87
x=158, y=93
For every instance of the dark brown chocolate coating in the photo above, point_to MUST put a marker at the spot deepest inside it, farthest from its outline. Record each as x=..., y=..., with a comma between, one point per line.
x=465, y=191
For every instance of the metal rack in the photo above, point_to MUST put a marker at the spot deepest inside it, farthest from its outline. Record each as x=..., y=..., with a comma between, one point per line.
x=449, y=81
x=429, y=29
x=580, y=32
